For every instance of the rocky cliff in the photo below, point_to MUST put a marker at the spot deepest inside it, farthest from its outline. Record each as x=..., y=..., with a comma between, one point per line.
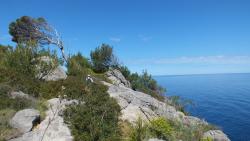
x=136, y=104
x=133, y=105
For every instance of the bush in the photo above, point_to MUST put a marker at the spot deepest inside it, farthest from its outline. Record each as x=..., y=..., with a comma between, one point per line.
x=102, y=58
x=96, y=119
x=189, y=133
x=139, y=131
x=3, y=52
x=161, y=128
x=75, y=87
x=125, y=71
x=6, y=131
x=50, y=89
x=77, y=64
x=144, y=83
x=7, y=102
x=22, y=67
x=179, y=103
x=206, y=139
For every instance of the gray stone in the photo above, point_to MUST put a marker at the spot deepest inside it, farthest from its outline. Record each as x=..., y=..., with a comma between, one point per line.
x=52, y=128
x=136, y=104
x=155, y=139
x=57, y=74
x=117, y=78
x=19, y=94
x=24, y=120
x=216, y=135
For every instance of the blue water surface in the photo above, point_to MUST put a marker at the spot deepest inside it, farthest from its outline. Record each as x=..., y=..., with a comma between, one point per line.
x=221, y=99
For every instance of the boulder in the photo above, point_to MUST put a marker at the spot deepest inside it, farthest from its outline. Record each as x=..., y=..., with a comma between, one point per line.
x=19, y=94
x=57, y=74
x=155, y=139
x=24, y=120
x=215, y=135
x=116, y=77
x=52, y=128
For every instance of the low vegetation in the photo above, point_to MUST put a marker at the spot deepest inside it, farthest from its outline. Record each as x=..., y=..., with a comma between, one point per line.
x=96, y=118
x=168, y=130
x=179, y=103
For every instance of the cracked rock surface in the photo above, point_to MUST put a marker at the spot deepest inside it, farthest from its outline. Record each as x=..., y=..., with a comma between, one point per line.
x=52, y=128
x=216, y=135
x=136, y=104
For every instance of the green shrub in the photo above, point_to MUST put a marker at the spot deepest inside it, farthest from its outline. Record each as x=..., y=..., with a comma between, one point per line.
x=22, y=67
x=96, y=119
x=161, y=128
x=7, y=102
x=6, y=131
x=75, y=87
x=144, y=83
x=206, y=139
x=125, y=71
x=77, y=64
x=3, y=52
x=189, y=132
x=50, y=89
x=103, y=58
x=179, y=103
x=139, y=131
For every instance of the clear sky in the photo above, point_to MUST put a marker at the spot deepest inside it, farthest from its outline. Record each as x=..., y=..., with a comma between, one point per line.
x=162, y=36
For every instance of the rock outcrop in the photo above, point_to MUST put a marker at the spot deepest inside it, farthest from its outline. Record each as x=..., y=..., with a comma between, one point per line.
x=24, y=120
x=117, y=78
x=52, y=128
x=216, y=135
x=155, y=139
x=136, y=104
x=57, y=74
x=19, y=94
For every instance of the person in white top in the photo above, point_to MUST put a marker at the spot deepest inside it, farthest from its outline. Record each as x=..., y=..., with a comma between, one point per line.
x=89, y=79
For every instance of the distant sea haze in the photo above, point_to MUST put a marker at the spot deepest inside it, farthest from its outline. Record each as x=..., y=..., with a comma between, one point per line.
x=221, y=99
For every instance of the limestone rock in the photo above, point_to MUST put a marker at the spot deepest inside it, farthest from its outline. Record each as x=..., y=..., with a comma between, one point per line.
x=117, y=78
x=19, y=94
x=216, y=135
x=52, y=128
x=24, y=120
x=57, y=74
x=136, y=104
x=155, y=139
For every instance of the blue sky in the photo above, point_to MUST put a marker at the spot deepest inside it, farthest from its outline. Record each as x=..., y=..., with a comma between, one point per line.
x=164, y=37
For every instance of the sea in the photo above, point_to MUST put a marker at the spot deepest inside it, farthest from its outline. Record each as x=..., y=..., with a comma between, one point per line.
x=220, y=99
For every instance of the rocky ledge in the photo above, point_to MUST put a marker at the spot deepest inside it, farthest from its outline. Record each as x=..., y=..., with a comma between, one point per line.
x=136, y=104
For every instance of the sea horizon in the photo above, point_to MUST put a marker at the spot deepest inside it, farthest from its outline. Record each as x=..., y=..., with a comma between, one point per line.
x=220, y=99
x=200, y=74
